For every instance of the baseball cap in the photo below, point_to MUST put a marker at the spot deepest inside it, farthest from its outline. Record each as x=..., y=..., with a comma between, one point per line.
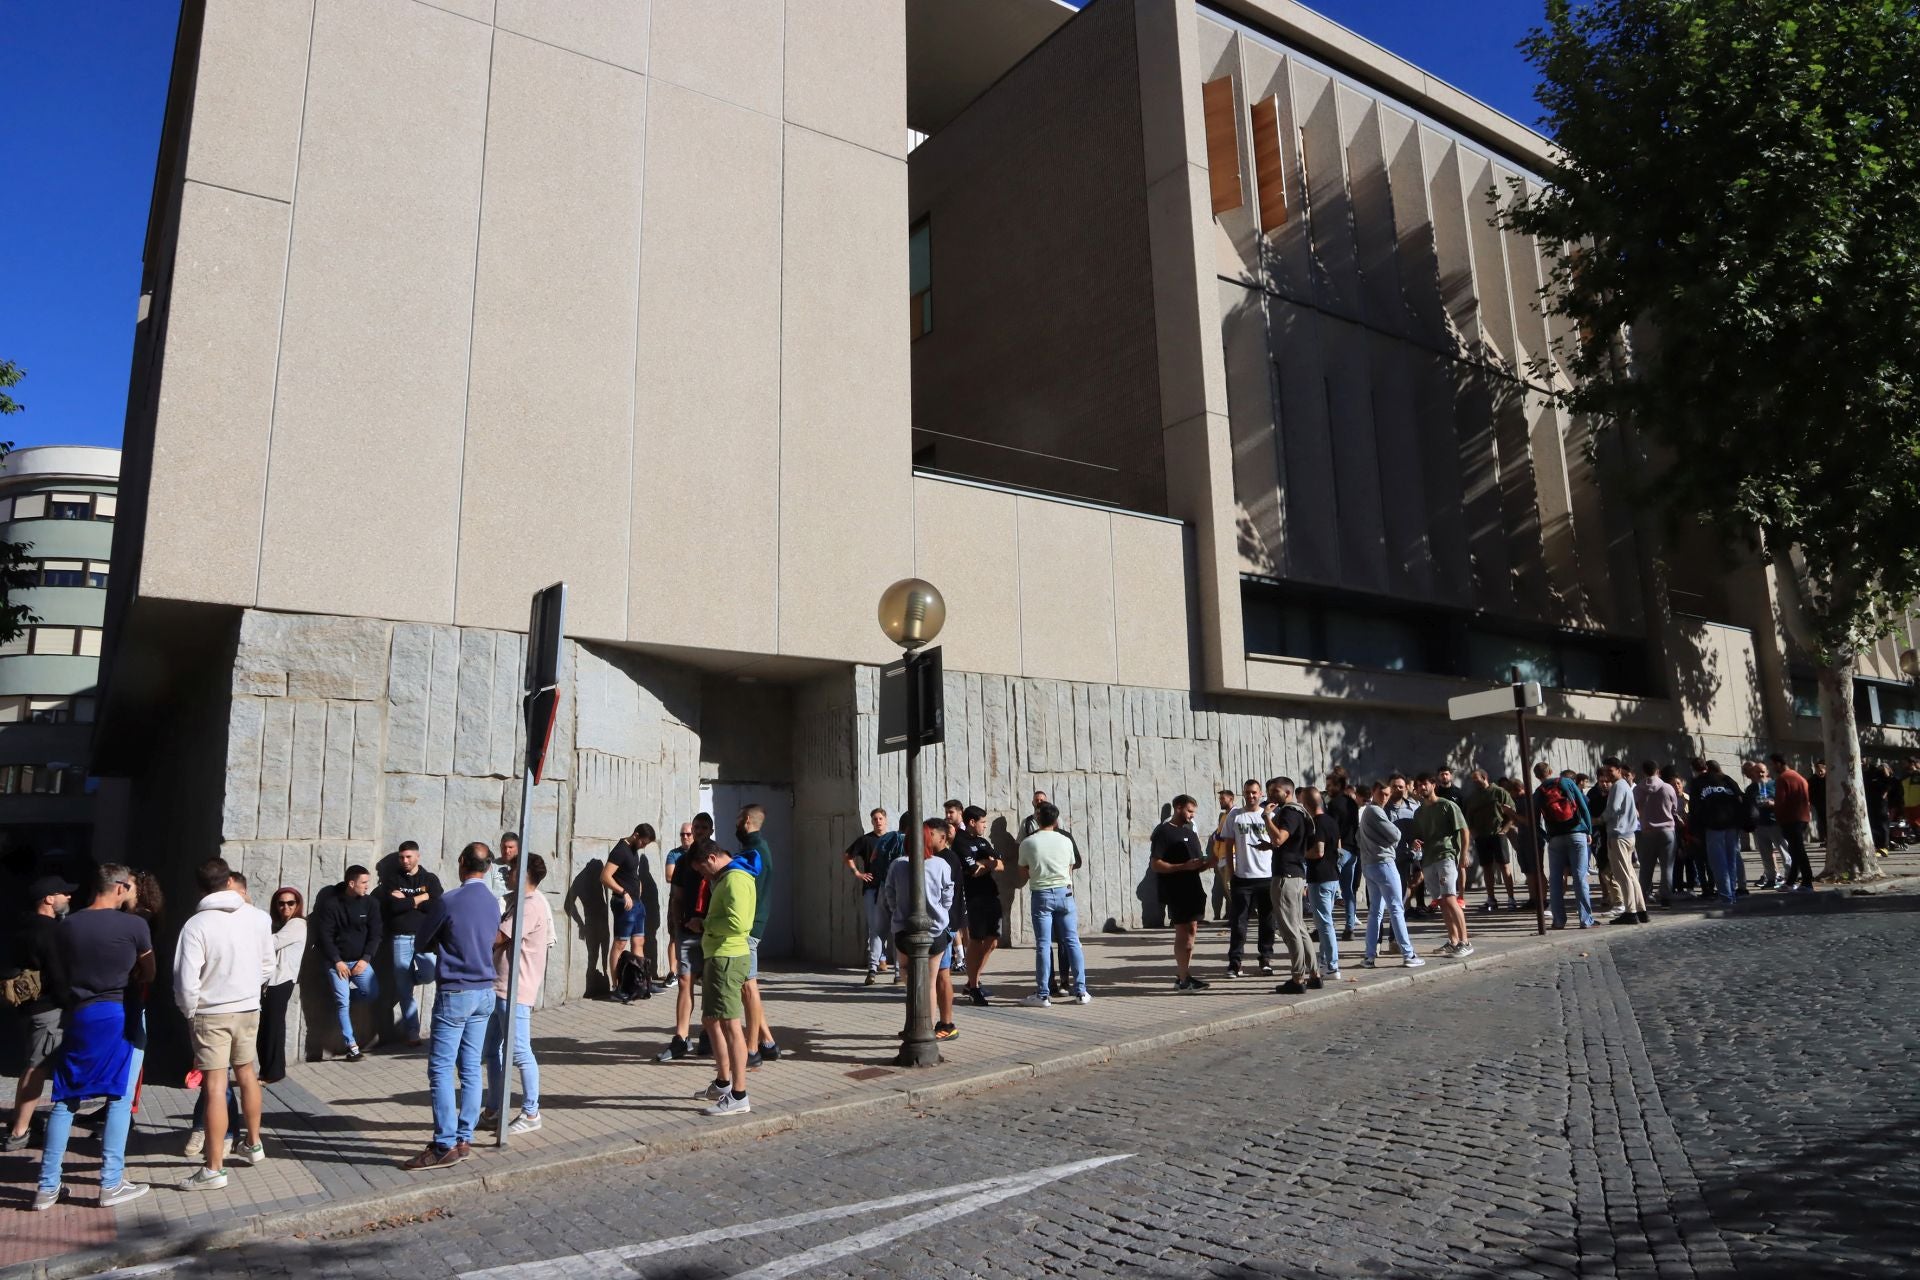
x=46, y=887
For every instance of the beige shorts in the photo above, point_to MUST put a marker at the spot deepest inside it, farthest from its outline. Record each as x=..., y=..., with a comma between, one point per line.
x=223, y=1040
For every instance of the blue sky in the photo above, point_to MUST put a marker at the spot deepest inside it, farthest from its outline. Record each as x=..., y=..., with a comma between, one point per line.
x=83, y=84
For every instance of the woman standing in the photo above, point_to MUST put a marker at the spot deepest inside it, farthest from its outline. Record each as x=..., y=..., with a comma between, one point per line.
x=289, y=912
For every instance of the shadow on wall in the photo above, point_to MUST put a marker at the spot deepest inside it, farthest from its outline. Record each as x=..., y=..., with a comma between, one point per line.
x=586, y=906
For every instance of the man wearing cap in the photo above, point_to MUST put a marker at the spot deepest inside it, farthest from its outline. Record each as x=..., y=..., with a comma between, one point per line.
x=34, y=954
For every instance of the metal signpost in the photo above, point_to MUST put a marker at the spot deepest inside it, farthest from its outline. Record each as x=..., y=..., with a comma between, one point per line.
x=540, y=697
x=1520, y=697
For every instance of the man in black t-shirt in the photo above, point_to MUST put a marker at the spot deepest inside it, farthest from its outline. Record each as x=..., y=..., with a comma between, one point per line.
x=867, y=859
x=34, y=951
x=1294, y=834
x=1178, y=858
x=629, y=884
x=975, y=863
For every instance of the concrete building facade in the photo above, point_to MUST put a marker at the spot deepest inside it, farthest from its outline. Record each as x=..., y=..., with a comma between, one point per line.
x=450, y=300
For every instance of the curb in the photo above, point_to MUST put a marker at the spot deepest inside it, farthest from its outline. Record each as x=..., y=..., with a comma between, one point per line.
x=372, y=1207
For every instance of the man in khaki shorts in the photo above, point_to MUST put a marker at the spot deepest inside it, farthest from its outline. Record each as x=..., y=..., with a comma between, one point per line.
x=223, y=959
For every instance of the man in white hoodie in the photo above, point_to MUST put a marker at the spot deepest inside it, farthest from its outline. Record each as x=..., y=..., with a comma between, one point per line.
x=224, y=958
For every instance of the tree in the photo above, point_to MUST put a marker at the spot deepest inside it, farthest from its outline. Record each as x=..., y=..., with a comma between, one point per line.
x=14, y=575
x=1738, y=189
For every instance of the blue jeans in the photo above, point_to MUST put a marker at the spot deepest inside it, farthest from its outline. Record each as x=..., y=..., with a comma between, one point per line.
x=1350, y=886
x=1384, y=897
x=459, y=1030
x=1723, y=857
x=1568, y=854
x=410, y=969
x=877, y=927
x=361, y=986
x=496, y=1052
x=1323, y=897
x=113, y=1136
x=1054, y=919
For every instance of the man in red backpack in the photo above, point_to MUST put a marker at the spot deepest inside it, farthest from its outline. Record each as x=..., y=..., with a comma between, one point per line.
x=1567, y=826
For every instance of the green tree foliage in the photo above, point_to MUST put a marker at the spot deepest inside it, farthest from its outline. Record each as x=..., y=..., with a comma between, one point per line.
x=1738, y=189
x=13, y=573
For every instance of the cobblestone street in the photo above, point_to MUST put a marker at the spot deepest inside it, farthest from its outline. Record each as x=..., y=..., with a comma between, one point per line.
x=1738, y=1096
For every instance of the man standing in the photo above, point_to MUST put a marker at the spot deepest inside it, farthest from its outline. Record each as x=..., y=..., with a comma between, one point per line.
x=1439, y=831
x=1028, y=826
x=1379, y=838
x=1793, y=809
x=1323, y=877
x=404, y=896
x=866, y=859
x=979, y=864
x=938, y=873
x=685, y=912
x=1252, y=878
x=1623, y=828
x=1443, y=785
x=462, y=926
x=1817, y=789
x=723, y=977
x=1222, y=842
x=1344, y=808
x=1765, y=825
x=222, y=960
x=1047, y=859
x=536, y=935
x=956, y=827
x=1564, y=825
x=346, y=928
x=1292, y=831
x=105, y=949
x=1490, y=815
x=758, y=859
x=1401, y=808
x=628, y=881
x=1717, y=813
x=35, y=951
x=1176, y=857
x=1658, y=808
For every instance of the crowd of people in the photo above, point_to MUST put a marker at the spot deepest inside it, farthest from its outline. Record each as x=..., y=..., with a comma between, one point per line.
x=1288, y=862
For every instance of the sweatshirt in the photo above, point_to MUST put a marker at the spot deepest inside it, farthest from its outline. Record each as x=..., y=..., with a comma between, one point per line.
x=729, y=915
x=461, y=927
x=346, y=928
x=223, y=958
x=939, y=892
x=1792, y=799
x=399, y=915
x=757, y=858
x=1623, y=816
x=1379, y=836
x=1658, y=802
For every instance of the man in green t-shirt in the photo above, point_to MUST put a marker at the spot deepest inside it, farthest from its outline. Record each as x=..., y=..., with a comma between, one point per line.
x=723, y=947
x=1438, y=831
x=1491, y=815
x=1047, y=860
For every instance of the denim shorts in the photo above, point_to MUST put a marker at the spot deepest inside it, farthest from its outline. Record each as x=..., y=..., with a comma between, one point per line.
x=629, y=924
x=753, y=958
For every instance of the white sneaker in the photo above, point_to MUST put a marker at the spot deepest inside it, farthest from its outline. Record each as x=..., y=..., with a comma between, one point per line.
x=731, y=1105
x=1038, y=1000
x=1415, y=962
x=1462, y=951
x=203, y=1179
x=525, y=1122
x=1446, y=949
x=44, y=1200
x=713, y=1092
x=253, y=1155
x=123, y=1193
x=196, y=1144
x=1081, y=997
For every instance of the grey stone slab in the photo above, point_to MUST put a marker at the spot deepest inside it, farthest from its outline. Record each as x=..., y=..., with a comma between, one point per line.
x=472, y=713
x=369, y=724
x=413, y=807
x=472, y=812
x=336, y=784
x=276, y=768
x=509, y=657
x=409, y=686
x=443, y=700
x=240, y=804
x=308, y=769
x=321, y=656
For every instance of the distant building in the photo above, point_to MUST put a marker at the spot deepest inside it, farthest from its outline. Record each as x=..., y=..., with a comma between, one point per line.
x=60, y=501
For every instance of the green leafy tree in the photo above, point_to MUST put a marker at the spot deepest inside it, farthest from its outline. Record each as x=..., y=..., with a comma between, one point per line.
x=1738, y=192
x=13, y=555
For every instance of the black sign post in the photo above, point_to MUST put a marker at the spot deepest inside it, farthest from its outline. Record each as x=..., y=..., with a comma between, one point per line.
x=540, y=697
x=913, y=715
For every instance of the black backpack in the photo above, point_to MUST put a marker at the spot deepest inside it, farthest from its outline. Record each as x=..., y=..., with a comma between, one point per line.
x=631, y=983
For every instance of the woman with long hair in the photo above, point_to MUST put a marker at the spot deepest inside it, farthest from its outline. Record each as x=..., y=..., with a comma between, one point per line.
x=288, y=911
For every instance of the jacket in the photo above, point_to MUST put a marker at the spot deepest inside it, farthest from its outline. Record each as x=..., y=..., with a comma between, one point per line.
x=223, y=958
x=1378, y=835
x=1792, y=798
x=346, y=928
x=1717, y=805
x=461, y=925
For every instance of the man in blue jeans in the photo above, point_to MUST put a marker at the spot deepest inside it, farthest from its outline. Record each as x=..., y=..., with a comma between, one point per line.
x=406, y=890
x=1379, y=837
x=346, y=928
x=1561, y=810
x=1718, y=816
x=461, y=927
x=1047, y=860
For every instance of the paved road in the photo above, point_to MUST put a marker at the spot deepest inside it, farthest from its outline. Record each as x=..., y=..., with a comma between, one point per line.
x=1739, y=1096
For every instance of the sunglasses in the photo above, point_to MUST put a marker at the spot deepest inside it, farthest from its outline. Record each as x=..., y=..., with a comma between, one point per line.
x=286, y=902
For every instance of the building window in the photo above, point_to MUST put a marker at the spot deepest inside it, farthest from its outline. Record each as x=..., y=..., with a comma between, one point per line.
x=42, y=779
x=920, y=276
x=32, y=506
x=67, y=573
x=45, y=709
x=60, y=641
x=60, y=506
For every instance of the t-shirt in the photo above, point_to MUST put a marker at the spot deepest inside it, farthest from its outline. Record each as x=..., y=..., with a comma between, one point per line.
x=1448, y=791
x=683, y=898
x=1345, y=811
x=536, y=935
x=98, y=949
x=1176, y=842
x=975, y=852
x=625, y=861
x=1438, y=826
x=1297, y=823
x=1325, y=869
x=1252, y=849
x=867, y=856
x=1489, y=811
x=1048, y=857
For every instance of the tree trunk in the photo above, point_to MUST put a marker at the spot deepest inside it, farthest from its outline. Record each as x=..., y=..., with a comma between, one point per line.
x=1849, y=841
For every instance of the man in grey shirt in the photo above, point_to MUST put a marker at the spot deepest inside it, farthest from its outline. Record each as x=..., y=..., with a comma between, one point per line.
x=939, y=881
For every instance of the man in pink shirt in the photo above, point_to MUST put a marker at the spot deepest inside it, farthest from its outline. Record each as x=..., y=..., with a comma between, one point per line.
x=535, y=937
x=1659, y=808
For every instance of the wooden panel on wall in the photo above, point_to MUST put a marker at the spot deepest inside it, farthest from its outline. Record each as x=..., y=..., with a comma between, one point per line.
x=1223, y=144
x=1268, y=166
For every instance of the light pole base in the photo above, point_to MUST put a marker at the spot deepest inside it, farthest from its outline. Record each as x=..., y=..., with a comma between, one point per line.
x=913, y=1054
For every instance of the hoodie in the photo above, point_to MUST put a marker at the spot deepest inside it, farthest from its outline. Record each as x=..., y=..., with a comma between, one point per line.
x=223, y=958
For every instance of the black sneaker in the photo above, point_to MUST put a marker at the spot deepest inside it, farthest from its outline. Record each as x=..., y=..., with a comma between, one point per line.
x=1346, y=935
x=1314, y=983
x=1291, y=987
x=353, y=1055
x=1641, y=916
x=753, y=1060
x=706, y=1046
x=1189, y=984
x=977, y=996
x=770, y=1051
x=674, y=1051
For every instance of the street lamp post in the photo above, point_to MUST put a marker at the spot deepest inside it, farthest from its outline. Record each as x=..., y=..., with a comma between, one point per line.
x=912, y=613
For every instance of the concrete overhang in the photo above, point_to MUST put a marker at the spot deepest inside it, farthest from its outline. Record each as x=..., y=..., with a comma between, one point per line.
x=957, y=48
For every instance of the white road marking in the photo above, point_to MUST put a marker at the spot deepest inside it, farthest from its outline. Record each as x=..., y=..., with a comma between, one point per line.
x=611, y=1264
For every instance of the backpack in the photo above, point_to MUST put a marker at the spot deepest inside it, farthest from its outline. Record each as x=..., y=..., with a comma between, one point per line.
x=1556, y=806
x=631, y=983
x=22, y=989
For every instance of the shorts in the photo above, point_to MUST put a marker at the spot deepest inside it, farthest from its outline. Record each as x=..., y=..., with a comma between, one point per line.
x=753, y=958
x=222, y=1040
x=1488, y=850
x=946, y=957
x=1442, y=877
x=627, y=924
x=686, y=953
x=984, y=917
x=1184, y=897
x=43, y=1037
x=720, y=982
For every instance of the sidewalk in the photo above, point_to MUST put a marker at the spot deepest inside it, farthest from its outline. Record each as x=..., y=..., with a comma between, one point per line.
x=336, y=1132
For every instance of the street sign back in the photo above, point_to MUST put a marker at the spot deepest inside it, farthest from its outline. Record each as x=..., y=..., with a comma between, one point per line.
x=1522, y=695
x=913, y=675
